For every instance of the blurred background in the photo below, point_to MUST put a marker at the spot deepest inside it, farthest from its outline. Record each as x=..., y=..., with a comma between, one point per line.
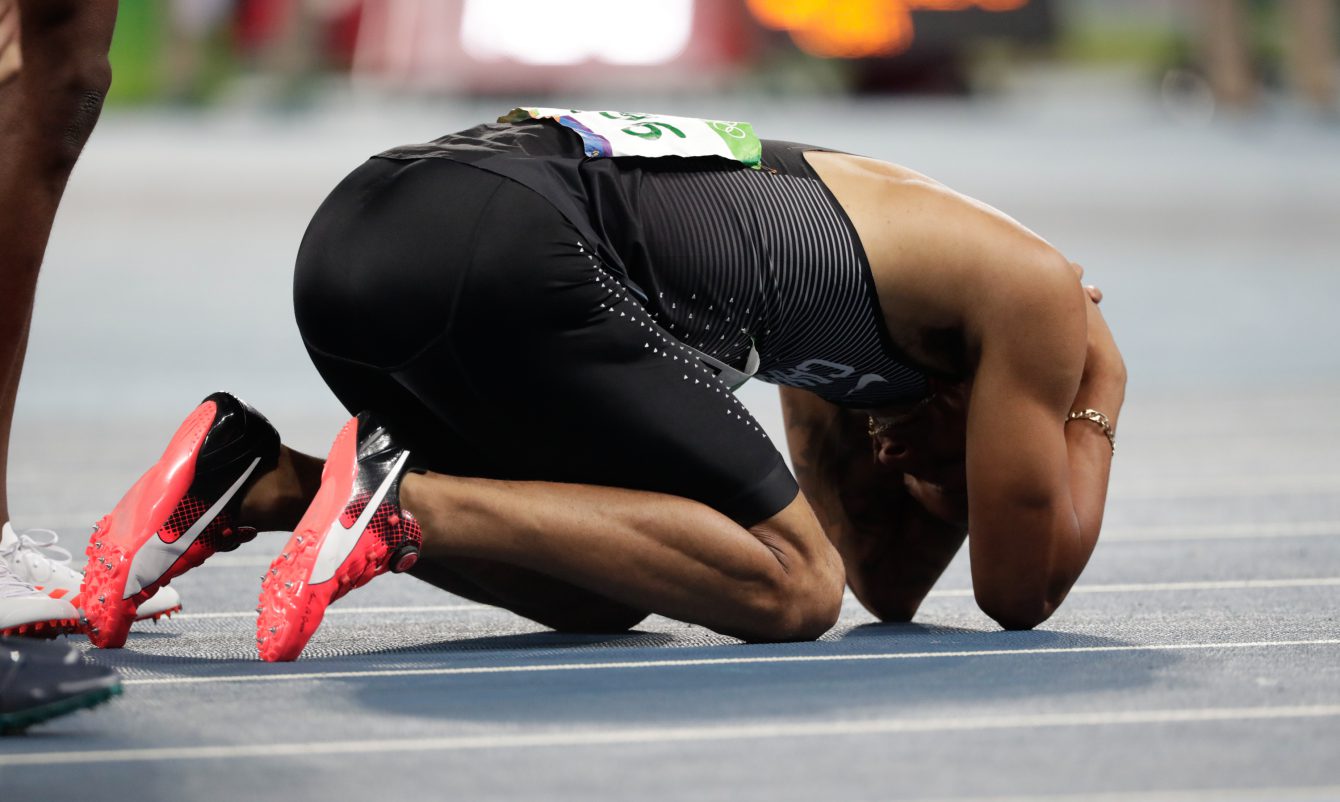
x=1187, y=152
x=1199, y=54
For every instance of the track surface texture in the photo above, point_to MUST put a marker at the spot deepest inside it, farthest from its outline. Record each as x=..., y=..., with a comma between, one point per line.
x=1199, y=657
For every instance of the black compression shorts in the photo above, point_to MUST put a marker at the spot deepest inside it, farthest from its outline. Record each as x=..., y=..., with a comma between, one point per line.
x=468, y=313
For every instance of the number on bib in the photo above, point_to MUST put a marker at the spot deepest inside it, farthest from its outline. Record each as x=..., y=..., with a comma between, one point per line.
x=618, y=133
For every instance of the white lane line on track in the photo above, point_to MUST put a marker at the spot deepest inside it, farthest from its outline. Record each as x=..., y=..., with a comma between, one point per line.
x=1213, y=584
x=1221, y=531
x=1130, y=587
x=1199, y=487
x=1329, y=792
x=661, y=735
x=1194, y=487
x=1154, y=587
x=401, y=673
x=1150, y=533
x=1266, y=530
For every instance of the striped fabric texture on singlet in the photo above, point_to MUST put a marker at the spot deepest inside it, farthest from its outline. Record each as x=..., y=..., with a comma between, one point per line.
x=743, y=258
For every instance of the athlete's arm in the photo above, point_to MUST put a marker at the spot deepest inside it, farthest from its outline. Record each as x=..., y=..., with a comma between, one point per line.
x=1036, y=485
x=1036, y=348
x=892, y=548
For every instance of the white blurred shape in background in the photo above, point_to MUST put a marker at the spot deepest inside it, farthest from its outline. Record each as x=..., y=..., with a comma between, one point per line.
x=546, y=33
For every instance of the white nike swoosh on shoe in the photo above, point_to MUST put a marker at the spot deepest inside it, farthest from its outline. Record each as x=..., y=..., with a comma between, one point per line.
x=340, y=539
x=157, y=555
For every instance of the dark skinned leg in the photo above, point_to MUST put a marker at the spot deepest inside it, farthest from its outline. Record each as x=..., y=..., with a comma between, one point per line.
x=586, y=558
x=46, y=115
x=278, y=498
x=558, y=605
x=777, y=580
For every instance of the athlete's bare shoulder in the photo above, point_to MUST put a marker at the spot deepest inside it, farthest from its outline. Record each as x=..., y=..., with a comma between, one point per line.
x=855, y=168
x=940, y=259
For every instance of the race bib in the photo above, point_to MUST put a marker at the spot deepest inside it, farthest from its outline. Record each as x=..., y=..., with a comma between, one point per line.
x=619, y=133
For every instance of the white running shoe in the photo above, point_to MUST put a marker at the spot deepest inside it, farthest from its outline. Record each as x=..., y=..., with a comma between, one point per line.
x=24, y=610
x=34, y=558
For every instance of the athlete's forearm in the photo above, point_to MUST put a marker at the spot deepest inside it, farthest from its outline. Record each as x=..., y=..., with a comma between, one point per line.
x=1089, y=452
x=894, y=551
x=1089, y=456
x=1089, y=463
x=892, y=548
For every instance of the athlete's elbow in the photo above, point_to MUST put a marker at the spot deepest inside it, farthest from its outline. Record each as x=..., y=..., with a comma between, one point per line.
x=889, y=605
x=1017, y=611
x=1020, y=620
x=901, y=613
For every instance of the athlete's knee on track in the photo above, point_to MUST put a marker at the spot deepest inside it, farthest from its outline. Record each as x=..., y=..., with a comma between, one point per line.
x=800, y=604
x=803, y=598
x=795, y=614
x=891, y=602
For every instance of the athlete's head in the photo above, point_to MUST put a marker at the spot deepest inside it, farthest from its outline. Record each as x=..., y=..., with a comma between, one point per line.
x=927, y=440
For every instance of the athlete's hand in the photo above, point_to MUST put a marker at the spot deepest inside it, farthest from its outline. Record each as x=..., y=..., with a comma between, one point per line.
x=1103, y=382
x=1102, y=362
x=1095, y=294
x=11, y=55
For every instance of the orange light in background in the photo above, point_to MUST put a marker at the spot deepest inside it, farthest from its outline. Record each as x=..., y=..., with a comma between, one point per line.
x=791, y=16
x=857, y=28
x=959, y=5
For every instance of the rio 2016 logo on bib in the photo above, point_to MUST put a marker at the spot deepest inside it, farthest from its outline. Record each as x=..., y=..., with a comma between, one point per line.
x=620, y=133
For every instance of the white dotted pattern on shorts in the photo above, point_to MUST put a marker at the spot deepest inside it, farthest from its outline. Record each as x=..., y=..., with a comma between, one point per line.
x=665, y=345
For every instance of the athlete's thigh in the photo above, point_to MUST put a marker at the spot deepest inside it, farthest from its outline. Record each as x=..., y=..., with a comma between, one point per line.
x=503, y=329
x=554, y=370
x=495, y=345
x=434, y=442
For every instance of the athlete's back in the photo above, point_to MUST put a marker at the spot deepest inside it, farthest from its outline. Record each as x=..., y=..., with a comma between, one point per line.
x=757, y=268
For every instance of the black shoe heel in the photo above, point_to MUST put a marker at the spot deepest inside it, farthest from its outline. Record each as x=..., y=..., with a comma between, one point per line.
x=404, y=558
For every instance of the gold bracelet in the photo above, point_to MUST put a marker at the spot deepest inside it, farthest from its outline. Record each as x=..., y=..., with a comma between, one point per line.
x=1098, y=418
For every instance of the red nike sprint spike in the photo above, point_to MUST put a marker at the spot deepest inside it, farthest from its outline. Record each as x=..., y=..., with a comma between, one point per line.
x=177, y=515
x=353, y=530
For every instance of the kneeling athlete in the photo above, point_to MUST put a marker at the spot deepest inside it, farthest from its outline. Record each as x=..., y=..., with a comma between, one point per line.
x=546, y=317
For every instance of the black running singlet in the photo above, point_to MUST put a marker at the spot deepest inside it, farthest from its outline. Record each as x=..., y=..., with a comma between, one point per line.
x=756, y=268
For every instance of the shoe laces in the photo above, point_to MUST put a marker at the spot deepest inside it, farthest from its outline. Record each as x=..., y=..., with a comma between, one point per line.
x=37, y=548
x=11, y=586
